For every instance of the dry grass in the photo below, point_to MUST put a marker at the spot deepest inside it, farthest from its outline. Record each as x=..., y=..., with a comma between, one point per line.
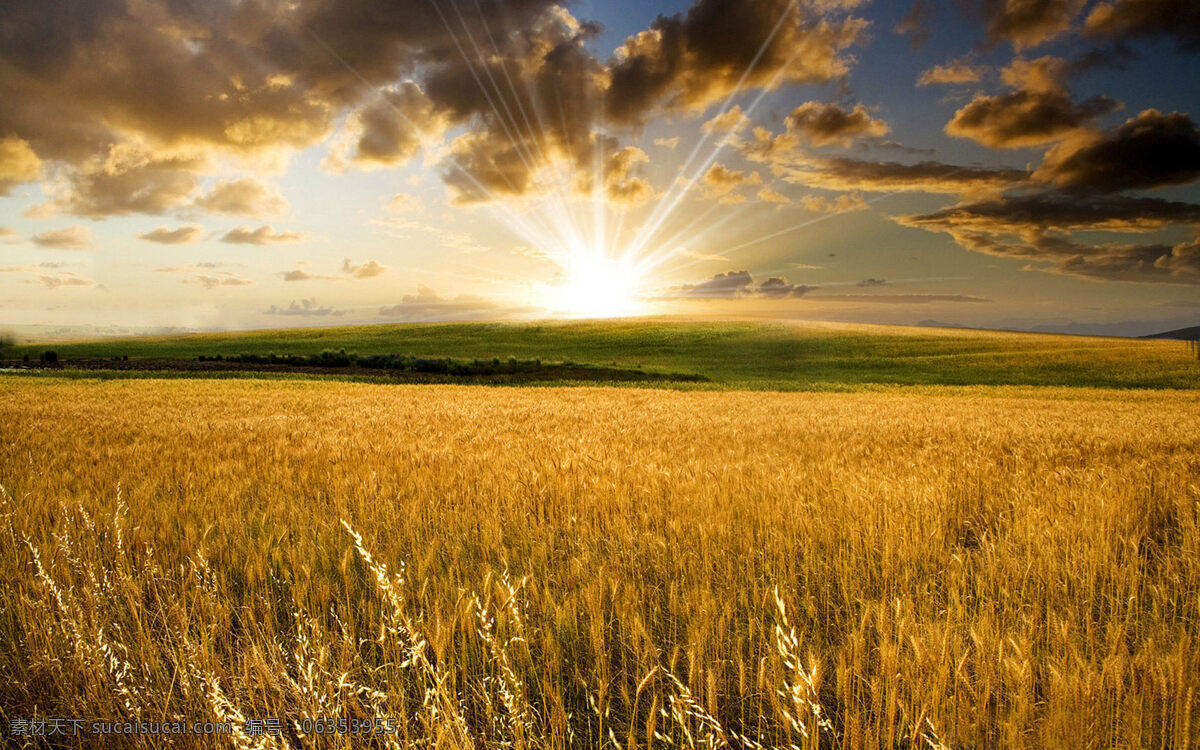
x=589, y=567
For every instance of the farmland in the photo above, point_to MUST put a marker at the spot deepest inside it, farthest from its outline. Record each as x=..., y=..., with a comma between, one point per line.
x=973, y=566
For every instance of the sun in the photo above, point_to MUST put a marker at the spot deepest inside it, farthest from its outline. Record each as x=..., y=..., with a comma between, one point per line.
x=593, y=286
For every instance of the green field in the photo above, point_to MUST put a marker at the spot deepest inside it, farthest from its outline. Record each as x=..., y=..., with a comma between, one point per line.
x=731, y=354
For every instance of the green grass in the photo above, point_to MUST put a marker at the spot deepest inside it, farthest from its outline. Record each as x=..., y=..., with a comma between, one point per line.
x=733, y=354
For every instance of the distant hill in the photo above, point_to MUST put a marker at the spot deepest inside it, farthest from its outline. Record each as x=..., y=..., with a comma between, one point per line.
x=768, y=355
x=1179, y=334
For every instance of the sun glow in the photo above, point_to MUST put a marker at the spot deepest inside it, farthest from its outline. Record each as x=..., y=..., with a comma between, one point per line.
x=593, y=286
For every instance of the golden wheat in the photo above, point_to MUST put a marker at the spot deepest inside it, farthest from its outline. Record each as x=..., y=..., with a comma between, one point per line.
x=547, y=568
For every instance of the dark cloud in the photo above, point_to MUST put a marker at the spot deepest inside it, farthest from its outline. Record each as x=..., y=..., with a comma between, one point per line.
x=900, y=299
x=915, y=23
x=872, y=282
x=845, y=174
x=788, y=159
x=777, y=287
x=305, y=307
x=1129, y=19
x=1148, y=151
x=736, y=285
x=389, y=130
x=264, y=235
x=254, y=80
x=688, y=61
x=1039, y=227
x=1041, y=212
x=127, y=179
x=1148, y=262
x=1028, y=23
x=824, y=124
x=184, y=235
x=1039, y=111
x=722, y=286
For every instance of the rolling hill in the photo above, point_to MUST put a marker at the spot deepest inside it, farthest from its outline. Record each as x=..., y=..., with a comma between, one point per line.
x=748, y=354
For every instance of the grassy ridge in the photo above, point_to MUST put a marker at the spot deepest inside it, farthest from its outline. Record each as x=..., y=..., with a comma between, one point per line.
x=738, y=354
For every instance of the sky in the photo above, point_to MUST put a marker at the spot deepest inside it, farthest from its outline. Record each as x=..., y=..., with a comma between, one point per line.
x=233, y=164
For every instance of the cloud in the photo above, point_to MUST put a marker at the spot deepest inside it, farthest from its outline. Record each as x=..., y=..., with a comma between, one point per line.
x=402, y=203
x=845, y=203
x=667, y=143
x=305, y=307
x=389, y=130
x=1028, y=23
x=426, y=304
x=720, y=181
x=778, y=287
x=689, y=61
x=915, y=23
x=1130, y=19
x=486, y=166
x=1039, y=212
x=621, y=181
x=845, y=174
x=1112, y=261
x=71, y=238
x=900, y=299
x=264, y=235
x=1148, y=151
x=1038, y=111
x=247, y=196
x=954, y=72
x=730, y=121
x=18, y=163
x=64, y=279
x=253, y=83
x=770, y=196
x=367, y=270
x=736, y=285
x=184, y=235
x=790, y=161
x=5, y=233
x=221, y=278
x=1039, y=228
x=825, y=124
x=128, y=178
x=872, y=282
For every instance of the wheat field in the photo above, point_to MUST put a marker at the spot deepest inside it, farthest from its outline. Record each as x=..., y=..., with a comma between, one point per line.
x=585, y=567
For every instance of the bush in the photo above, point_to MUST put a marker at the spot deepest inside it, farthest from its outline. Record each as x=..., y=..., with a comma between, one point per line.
x=50, y=357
